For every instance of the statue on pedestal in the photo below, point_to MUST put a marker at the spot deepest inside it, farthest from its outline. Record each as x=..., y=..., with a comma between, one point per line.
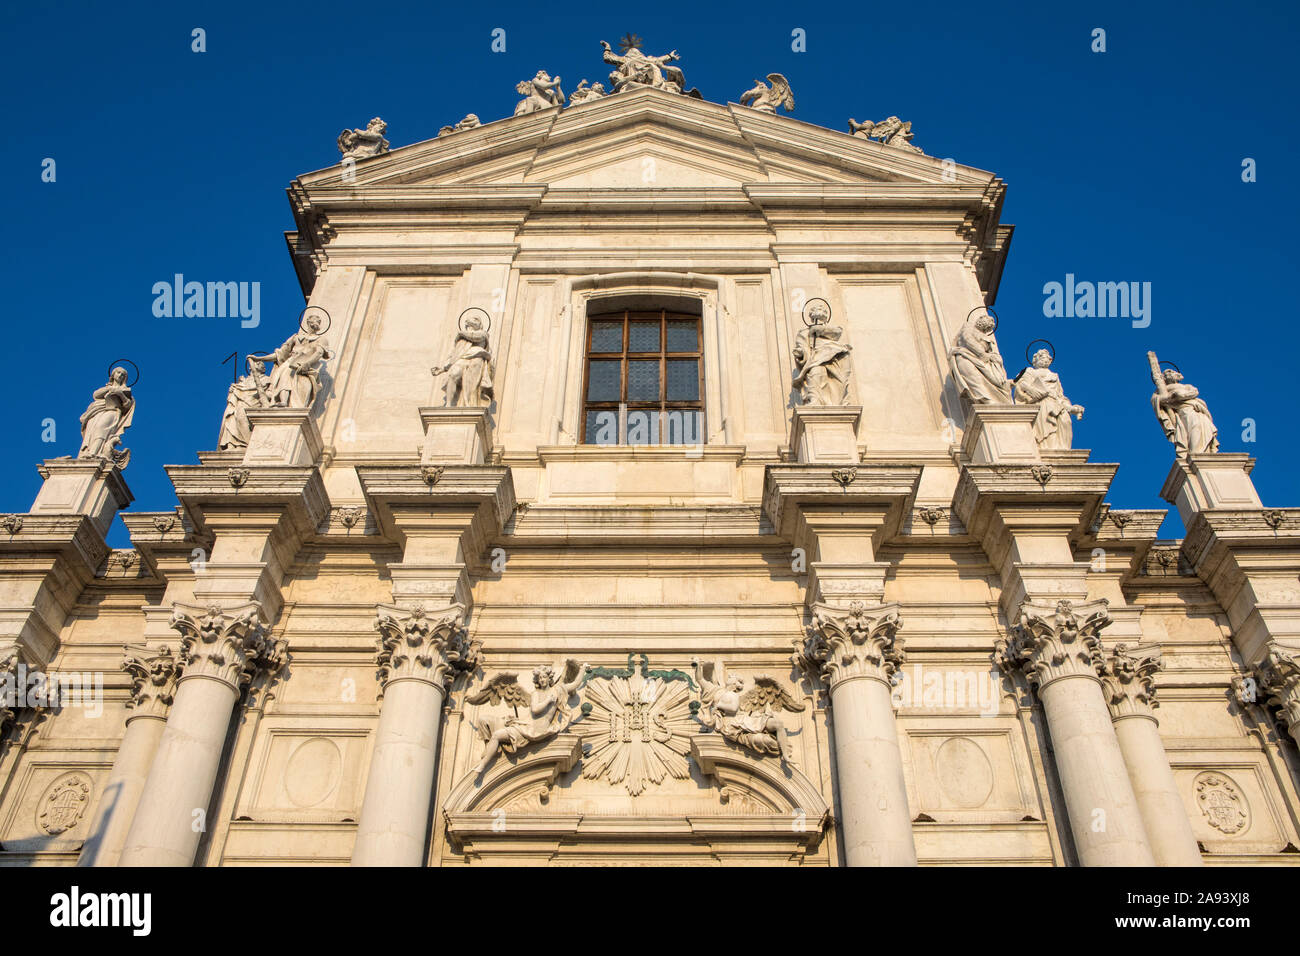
x=248, y=392
x=822, y=361
x=1038, y=385
x=765, y=98
x=977, y=364
x=364, y=143
x=1182, y=413
x=295, y=376
x=109, y=414
x=635, y=69
x=747, y=717
x=469, y=371
x=546, y=710
x=891, y=131
x=540, y=93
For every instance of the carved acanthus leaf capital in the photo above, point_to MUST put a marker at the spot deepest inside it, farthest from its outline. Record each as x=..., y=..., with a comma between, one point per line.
x=1129, y=677
x=1052, y=641
x=858, y=641
x=153, y=673
x=230, y=645
x=415, y=644
x=1279, y=679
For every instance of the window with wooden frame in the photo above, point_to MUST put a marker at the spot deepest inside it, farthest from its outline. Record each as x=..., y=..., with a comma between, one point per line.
x=643, y=381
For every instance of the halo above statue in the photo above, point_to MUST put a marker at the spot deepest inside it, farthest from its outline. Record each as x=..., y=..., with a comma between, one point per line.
x=804, y=314
x=116, y=363
x=460, y=322
x=1166, y=365
x=1029, y=353
x=983, y=308
x=314, y=310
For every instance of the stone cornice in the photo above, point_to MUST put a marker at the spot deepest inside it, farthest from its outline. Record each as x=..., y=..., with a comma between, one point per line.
x=489, y=489
x=297, y=492
x=789, y=487
x=981, y=489
x=74, y=536
x=647, y=524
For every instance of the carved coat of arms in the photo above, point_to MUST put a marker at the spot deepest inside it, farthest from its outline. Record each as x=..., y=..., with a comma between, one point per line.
x=1222, y=803
x=64, y=803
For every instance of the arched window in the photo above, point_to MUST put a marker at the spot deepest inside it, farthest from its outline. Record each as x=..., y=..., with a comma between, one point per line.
x=643, y=381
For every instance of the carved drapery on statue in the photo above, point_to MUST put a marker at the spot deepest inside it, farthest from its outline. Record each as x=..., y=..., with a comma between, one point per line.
x=1039, y=386
x=1053, y=641
x=768, y=98
x=294, y=382
x=746, y=716
x=109, y=414
x=469, y=370
x=526, y=718
x=364, y=143
x=1183, y=415
x=231, y=645
x=857, y=641
x=977, y=365
x=415, y=644
x=823, y=361
x=634, y=70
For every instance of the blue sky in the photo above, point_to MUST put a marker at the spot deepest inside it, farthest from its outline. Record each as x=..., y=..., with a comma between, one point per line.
x=1121, y=166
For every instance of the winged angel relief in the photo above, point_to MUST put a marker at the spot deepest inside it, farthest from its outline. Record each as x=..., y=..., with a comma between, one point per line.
x=747, y=717
x=545, y=712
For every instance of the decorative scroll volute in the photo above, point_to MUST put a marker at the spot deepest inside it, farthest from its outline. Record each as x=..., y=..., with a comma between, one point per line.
x=153, y=673
x=860, y=641
x=1053, y=641
x=1279, y=679
x=417, y=645
x=229, y=645
x=1130, y=682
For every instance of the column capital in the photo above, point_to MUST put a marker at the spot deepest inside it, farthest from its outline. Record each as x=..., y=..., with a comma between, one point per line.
x=1279, y=678
x=1129, y=678
x=230, y=645
x=1054, y=641
x=10, y=658
x=846, y=643
x=429, y=646
x=153, y=672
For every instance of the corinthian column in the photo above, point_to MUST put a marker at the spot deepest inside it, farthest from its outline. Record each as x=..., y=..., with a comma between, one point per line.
x=153, y=687
x=1058, y=649
x=855, y=651
x=419, y=656
x=1128, y=677
x=221, y=651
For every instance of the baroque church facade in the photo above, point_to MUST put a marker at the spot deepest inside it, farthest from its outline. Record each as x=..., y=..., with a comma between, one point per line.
x=643, y=485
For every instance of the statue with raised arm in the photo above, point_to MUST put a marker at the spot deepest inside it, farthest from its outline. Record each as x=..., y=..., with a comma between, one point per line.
x=539, y=93
x=1182, y=412
x=545, y=712
x=890, y=131
x=586, y=94
x=768, y=98
x=746, y=717
x=822, y=360
x=634, y=69
x=469, y=371
x=1038, y=385
x=109, y=414
x=364, y=143
x=977, y=364
x=295, y=376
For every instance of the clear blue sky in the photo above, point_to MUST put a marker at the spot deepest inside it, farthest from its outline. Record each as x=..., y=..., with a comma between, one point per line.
x=1121, y=166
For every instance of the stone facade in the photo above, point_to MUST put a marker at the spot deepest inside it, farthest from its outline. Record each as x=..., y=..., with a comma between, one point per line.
x=870, y=617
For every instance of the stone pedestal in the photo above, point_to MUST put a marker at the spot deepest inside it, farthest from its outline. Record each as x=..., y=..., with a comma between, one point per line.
x=282, y=436
x=825, y=434
x=458, y=436
x=82, y=486
x=1207, y=482
x=999, y=434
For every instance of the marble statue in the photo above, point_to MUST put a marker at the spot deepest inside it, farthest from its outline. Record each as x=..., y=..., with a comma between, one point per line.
x=891, y=131
x=1183, y=414
x=977, y=363
x=249, y=392
x=469, y=371
x=585, y=93
x=822, y=361
x=1038, y=385
x=765, y=98
x=364, y=143
x=747, y=717
x=295, y=376
x=469, y=122
x=547, y=711
x=539, y=93
x=107, y=416
x=634, y=70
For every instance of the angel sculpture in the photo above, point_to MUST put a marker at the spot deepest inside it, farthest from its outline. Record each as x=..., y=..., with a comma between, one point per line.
x=767, y=99
x=364, y=143
x=585, y=93
x=746, y=717
x=892, y=132
x=635, y=69
x=469, y=122
x=547, y=709
x=540, y=93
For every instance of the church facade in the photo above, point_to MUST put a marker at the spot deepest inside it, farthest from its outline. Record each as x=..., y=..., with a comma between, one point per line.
x=643, y=484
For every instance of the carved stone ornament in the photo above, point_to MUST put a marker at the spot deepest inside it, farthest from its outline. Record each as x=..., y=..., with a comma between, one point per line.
x=844, y=476
x=525, y=718
x=1130, y=682
x=539, y=93
x=747, y=717
x=860, y=641
x=419, y=645
x=153, y=674
x=634, y=69
x=64, y=803
x=1223, y=804
x=431, y=474
x=890, y=131
x=230, y=645
x=638, y=729
x=1279, y=679
x=586, y=94
x=931, y=516
x=364, y=143
x=164, y=523
x=469, y=122
x=12, y=523
x=238, y=477
x=1042, y=474
x=1053, y=641
x=348, y=517
x=768, y=98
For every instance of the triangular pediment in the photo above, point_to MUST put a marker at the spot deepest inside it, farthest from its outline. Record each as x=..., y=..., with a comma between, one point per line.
x=649, y=139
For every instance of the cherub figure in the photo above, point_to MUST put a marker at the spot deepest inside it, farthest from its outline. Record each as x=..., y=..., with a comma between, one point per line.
x=747, y=717
x=547, y=709
x=469, y=122
x=585, y=93
x=364, y=143
x=891, y=131
x=540, y=93
x=767, y=99
x=636, y=69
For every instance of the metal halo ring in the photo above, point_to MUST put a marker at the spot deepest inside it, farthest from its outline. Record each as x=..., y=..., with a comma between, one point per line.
x=984, y=308
x=804, y=314
x=116, y=363
x=1050, y=347
x=1164, y=362
x=302, y=316
x=460, y=322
